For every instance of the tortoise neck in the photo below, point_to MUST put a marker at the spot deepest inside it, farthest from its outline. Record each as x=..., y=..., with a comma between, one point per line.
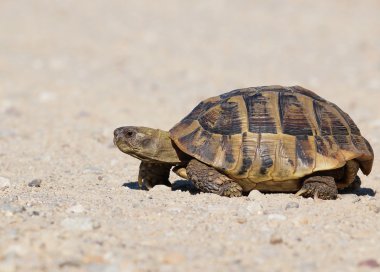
x=167, y=152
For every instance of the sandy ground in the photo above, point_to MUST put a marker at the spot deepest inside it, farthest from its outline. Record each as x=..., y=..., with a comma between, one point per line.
x=72, y=71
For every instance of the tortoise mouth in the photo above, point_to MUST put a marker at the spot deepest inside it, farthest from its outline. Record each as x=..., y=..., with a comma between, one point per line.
x=125, y=147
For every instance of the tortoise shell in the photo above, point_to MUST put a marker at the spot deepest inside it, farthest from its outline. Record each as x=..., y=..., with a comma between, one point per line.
x=270, y=134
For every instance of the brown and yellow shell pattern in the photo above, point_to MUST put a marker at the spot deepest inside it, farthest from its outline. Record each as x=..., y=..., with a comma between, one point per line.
x=271, y=134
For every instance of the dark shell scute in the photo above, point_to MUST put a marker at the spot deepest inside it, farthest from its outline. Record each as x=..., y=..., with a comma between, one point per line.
x=209, y=151
x=323, y=146
x=225, y=120
x=266, y=158
x=293, y=117
x=189, y=139
x=200, y=109
x=266, y=163
x=260, y=117
x=354, y=129
x=247, y=160
x=329, y=122
x=227, y=148
x=303, y=147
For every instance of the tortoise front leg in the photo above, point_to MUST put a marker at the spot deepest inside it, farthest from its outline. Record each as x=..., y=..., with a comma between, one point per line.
x=151, y=174
x=323, y=187
x=209, y=180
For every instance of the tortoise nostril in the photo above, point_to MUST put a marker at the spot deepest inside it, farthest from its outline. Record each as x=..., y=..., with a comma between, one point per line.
x=117, y=131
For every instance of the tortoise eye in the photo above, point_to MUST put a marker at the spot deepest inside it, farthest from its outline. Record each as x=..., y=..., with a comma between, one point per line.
x=129, y=133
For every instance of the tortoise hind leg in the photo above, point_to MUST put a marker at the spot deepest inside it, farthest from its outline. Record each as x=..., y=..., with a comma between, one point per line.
x=209, y=180
x=326, y=184
x=323, y=187
x=350, y=181
x=354, y=186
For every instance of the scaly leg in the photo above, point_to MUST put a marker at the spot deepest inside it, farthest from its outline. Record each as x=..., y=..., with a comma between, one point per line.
x=209, y=180
x=323, y=187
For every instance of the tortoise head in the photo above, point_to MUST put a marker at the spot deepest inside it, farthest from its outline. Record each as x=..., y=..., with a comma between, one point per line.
x=146, y=144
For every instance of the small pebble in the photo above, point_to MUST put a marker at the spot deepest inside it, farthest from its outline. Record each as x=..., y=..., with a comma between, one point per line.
x=255, y=195
x=275, y=239
x=371, y=263
x=241, y=220
x=292, y=205
x=160, y=188
x=33, y=213
x=80, y=223
x=277, y=217
x=35, y=183
x=4, y=183
x=75, y=209
x=300, y=221
x=174, y=210
x=70, y=264
x=92, y=170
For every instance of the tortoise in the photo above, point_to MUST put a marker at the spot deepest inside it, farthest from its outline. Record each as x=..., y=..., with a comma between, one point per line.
x=269, y=138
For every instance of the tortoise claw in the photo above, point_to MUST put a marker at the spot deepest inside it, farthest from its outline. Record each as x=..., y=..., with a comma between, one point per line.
x=301, y=192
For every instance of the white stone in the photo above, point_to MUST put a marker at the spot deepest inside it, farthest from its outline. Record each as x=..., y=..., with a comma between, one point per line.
x=276, y=217
x=80, y=224
x=255, y=195
x=75, y=209
x=174, y=210
x=92, y=170
x=292, y=205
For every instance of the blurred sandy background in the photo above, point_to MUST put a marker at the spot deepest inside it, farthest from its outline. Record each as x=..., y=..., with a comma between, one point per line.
x=72, y=71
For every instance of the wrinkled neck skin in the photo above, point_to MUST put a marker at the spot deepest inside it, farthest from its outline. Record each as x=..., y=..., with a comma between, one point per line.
x=155, y=169
x=166, y=150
